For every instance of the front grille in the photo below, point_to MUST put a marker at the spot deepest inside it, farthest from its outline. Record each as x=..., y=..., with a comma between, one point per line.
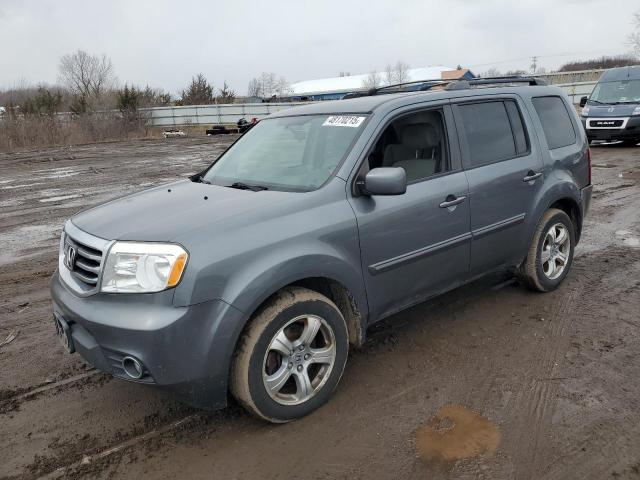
x=606, y=123
x=82, y=261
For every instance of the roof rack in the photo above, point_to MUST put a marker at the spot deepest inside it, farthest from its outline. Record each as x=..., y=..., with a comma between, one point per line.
x=398, y=87
x=466, y=84
x=452, y=84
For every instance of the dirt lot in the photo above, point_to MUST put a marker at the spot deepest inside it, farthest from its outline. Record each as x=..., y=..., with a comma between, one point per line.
x=490, y=381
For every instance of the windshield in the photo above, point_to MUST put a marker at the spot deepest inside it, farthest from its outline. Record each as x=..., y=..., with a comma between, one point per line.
x=289, y=153
x=625, y=91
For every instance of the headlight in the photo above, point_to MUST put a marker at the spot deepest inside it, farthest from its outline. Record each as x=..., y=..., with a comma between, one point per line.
x=143, y=267
x=636, y=111
x=585, y=111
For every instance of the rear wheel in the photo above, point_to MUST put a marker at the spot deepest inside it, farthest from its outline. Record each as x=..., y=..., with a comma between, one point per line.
x=291, y=356
x=551, y=252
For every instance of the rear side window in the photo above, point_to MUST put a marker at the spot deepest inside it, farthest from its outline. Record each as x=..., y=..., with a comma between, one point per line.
x=517, y=127
x=555, y=120
x=488, y=131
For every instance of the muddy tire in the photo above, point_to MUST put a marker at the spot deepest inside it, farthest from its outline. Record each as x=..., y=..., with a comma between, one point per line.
x=290, y=357
x=551, y=252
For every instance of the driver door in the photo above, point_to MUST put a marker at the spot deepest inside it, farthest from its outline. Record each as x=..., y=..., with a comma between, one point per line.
x=415, y=245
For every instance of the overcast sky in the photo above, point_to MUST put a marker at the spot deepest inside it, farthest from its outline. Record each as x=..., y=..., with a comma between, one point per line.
x=164, y=43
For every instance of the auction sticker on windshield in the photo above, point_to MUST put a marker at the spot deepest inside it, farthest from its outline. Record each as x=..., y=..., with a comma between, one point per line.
x=343, y=121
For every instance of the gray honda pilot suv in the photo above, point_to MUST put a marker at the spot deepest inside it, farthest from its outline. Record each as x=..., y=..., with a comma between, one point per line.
x=257, y=275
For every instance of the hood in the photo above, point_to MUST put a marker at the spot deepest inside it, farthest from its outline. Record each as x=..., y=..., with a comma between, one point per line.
x=625, y=110
x=165, y=213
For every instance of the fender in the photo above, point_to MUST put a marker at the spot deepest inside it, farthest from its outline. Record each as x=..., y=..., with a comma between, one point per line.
x=247, y=291
x=565, y=189
x=245, y=294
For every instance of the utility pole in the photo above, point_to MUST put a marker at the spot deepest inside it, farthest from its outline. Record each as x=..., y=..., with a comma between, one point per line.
x=534, y=64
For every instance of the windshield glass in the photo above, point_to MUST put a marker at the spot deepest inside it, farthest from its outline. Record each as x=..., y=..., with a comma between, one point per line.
x=288, y=153
x=625, y=91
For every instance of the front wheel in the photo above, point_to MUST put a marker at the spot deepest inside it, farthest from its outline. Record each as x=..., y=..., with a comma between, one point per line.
x=551, y=252
x=291, y=356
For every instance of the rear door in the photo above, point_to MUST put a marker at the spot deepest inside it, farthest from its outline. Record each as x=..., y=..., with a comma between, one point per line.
x=504, y=168
x=416, y=244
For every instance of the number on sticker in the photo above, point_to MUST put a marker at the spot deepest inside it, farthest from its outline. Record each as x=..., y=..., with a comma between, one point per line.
x=343, y=121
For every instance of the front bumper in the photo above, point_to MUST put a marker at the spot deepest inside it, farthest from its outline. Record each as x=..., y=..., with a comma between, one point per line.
x=629, y=132
x=187, y=349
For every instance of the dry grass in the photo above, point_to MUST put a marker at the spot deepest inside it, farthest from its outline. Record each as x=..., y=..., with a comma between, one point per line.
x=35, y=131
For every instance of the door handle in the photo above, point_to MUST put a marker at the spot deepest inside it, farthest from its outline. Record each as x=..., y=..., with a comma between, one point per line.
x=531, y=176
x=452, y=201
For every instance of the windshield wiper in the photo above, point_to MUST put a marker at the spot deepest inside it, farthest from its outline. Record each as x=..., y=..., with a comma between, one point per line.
x=201, y=179
x=246, y=186
x=595, y=101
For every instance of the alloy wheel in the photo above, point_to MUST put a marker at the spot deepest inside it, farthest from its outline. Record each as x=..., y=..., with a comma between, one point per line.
x=555, y=251
x=299, y=360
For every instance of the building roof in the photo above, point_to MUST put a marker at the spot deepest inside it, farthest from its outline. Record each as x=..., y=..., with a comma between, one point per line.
x=456, y=74
x=353, y=83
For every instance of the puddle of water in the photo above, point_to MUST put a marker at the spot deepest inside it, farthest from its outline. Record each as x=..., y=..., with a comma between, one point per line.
x=55, y=176
x=455, y=433
x=604, y=165
x=11, y=187
x=57, y=199
x=632, y=242
x=18, y=242
x=12, y=202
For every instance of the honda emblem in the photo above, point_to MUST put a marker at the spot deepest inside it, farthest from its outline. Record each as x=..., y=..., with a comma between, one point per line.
x=70, y=256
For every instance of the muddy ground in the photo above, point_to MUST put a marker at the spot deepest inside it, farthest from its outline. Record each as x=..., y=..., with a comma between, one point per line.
x=490, y=381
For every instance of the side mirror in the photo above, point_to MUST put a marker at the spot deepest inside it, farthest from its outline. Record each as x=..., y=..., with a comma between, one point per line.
x=384, y=181
x=583, y=101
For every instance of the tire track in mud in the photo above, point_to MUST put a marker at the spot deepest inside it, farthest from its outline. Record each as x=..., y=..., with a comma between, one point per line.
x=11, y=400
x=87, y=461
x=84, y=455
x=539, y=396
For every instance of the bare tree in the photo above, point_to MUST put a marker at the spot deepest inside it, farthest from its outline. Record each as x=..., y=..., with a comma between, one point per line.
x=253, y=90
x=398, y=73
x=373, y=80
x=282, y=87
x=268, y=85
x=86, y=75
x=402, y=72
x=389, y=74
x=599, y=63
x=492, y=72
x=633, y=38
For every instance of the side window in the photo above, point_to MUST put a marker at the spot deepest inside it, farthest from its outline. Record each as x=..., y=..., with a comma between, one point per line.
x=555, y=120
x=517, y=127
x=416, y=142
x=488, y=131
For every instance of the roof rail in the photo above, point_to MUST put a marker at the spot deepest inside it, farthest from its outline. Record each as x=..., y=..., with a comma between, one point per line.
x=466, y=84
x=426, y=84
x=452, y=84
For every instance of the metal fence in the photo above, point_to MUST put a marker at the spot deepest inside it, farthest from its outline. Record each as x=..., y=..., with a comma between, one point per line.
x=575, y=84
x=577, y=90
x=211, y=114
